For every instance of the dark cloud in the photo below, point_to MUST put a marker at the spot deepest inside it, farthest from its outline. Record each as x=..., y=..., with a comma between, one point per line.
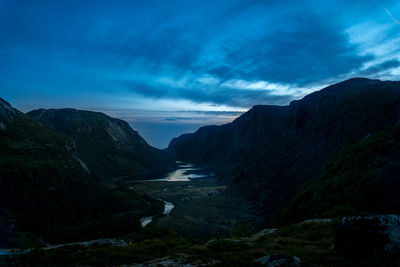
x=178, y=119
x=215, y=113
x=86, y=48
x=306, y=49
x=278, y=41
x=220, y=96
x=379, y=68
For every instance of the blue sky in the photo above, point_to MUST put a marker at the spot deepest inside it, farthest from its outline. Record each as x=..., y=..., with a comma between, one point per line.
x=168, y=67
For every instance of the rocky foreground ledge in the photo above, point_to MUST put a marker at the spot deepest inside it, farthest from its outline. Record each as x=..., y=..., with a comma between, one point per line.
x=352, y=241
x=372, y=238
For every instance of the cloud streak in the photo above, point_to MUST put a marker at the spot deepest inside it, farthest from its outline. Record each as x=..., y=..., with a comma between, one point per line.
x=383, y=67
x=392, y=17
x=234, y=97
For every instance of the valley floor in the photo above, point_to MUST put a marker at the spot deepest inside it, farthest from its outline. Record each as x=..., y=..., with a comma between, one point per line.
x=206, y=227
x=202, y=209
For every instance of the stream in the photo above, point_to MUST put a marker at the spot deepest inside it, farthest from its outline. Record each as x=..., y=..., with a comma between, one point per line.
x=184, y=173
x=168, y=206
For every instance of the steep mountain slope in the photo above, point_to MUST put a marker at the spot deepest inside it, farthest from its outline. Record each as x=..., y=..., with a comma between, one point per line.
x=229, y=144
x=271, y=152
x=109, y=146
x=361, y=178
x=45, y=189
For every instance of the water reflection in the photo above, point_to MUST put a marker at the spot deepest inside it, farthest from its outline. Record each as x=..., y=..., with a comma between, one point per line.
x=184, y=173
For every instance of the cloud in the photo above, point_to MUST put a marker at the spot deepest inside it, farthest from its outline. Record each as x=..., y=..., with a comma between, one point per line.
x=304, y=50
x=379, y=68
x=214, y=55
x=178, y=119
x=221, y=96
x=216, y=113
x=226, y=52
x=229, y=39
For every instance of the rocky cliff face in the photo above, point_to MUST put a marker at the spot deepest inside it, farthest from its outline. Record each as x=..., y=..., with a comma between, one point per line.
x=270, y=152
x=109, y=146
x=232, y=143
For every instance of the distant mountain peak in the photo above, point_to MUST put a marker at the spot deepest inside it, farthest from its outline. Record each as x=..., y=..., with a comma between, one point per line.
x=7, y=112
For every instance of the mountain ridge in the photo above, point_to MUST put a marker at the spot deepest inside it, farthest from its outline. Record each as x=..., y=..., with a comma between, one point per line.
x=46, y=193
x=270, y=152
x=109, y=145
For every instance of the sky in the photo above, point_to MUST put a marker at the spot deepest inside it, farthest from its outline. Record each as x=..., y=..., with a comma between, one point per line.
x=168, y=66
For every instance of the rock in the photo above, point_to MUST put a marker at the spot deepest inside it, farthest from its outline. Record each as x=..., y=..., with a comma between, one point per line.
x=104, y=242
x=264, y=232
x=276, y=260
x=372, y=238
x=2, y=126
x=318, y=221
x=179, y=260
x=235, y=240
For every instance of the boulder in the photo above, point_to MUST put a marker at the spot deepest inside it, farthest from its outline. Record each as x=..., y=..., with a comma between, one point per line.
x=276, y=260
x=372, y=238
x=263, y=232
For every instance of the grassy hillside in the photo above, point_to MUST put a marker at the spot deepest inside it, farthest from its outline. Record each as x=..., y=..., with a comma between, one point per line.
x=362, y=178
x=45, y=191
x=311, y=242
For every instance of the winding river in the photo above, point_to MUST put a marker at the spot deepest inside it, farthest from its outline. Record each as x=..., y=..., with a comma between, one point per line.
x=168, y=206
x=184, y=173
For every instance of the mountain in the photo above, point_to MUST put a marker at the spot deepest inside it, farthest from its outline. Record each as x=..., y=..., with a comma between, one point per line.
x=109, y=146
x=46, y=191
x=361, y=178
x=271, y=152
